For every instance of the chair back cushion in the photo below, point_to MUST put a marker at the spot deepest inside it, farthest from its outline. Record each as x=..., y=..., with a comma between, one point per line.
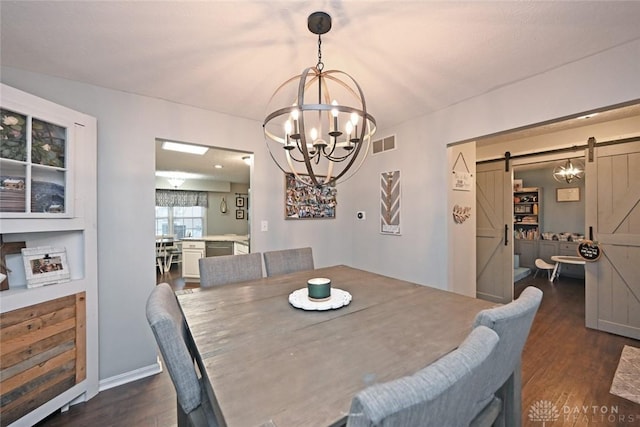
x=288, y=261
x=220, y=270
x=445, y=393
x=168, y=326
x=512, y=322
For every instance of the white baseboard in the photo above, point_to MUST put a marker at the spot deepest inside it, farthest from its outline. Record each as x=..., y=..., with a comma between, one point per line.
x=130, y=376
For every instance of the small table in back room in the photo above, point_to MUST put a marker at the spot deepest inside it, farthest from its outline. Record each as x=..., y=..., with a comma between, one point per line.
x=563, y=259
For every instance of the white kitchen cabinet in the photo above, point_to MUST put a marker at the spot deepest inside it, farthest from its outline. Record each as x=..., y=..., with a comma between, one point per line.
x=191, y=253
x=240, y=248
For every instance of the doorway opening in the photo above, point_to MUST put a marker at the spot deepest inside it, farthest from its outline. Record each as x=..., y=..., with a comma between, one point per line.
x=202, y=205
x=603, y=204
x=548, y=220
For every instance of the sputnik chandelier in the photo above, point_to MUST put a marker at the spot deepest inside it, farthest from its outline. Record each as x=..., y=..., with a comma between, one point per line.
x=571, y=170
x=322, y=129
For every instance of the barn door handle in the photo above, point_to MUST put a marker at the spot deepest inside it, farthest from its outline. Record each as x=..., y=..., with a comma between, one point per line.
x=506, y=235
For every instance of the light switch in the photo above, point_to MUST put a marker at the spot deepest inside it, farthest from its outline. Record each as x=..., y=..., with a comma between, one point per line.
x=264, y=225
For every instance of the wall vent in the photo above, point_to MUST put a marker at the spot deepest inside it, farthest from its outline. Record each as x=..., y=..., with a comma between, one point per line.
x=384, y=144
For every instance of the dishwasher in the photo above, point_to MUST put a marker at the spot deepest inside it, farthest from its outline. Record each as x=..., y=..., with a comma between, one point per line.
x=219, y=248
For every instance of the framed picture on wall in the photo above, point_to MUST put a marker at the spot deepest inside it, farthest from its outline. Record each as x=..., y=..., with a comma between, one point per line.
x=239, y=201
x=305, y=201
x=568, y=194
x=239, y=214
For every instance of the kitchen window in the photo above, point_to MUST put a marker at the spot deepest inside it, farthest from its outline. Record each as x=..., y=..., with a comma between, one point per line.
x=180, y=221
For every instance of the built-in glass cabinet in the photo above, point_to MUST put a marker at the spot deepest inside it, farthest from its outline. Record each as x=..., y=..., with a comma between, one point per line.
x=48, y=203
x=35, y=153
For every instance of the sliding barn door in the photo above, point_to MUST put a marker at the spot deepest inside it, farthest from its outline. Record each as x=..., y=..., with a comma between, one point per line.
x=613, y=210
x=494, y=247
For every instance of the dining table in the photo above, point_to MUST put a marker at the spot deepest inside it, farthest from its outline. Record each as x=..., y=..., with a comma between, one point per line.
x=265, y=362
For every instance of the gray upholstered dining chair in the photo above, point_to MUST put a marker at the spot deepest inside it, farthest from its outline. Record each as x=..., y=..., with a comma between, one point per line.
x=445, y=393
x=220, y=270
x=169, y=328
x=288, y=261
x=512, y=322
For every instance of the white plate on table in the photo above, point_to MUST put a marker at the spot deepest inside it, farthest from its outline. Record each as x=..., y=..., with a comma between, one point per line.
x=300, y=299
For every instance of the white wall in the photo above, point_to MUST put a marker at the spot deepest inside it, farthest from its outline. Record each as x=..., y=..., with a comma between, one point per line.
x=419, y=252
x=226, y=223
x=128, y=126
x=462, y=256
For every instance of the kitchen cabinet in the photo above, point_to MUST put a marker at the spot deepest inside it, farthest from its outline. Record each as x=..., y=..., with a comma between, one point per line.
x=240, y=248
x=547, y=249
x=191, y=254
x=527, y=249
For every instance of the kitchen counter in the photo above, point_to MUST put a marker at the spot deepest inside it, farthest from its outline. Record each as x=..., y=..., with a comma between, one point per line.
x=240, y=238
x=194, y=248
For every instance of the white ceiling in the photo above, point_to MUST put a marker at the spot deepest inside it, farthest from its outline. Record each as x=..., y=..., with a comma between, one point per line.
x=234, y=168
x=410, y=57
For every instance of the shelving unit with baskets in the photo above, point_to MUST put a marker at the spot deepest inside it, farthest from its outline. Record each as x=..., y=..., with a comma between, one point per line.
x=527, y=213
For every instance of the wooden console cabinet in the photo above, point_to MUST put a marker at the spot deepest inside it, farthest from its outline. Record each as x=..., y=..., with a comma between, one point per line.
x=43, y=353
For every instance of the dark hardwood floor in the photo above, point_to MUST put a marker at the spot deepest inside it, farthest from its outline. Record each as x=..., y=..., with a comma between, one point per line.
x=564, y=363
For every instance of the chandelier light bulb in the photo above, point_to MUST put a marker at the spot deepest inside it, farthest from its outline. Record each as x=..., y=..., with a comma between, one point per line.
x=334, y=111
x=348, y=128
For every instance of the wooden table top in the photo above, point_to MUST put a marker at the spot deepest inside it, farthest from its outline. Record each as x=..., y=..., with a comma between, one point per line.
x=270, y=362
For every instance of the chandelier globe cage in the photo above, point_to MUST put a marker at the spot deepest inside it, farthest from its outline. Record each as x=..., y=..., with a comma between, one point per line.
x=570, y=171
x=318, y=125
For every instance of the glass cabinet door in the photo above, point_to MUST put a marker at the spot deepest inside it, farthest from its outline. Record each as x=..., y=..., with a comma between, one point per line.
x=33, y=166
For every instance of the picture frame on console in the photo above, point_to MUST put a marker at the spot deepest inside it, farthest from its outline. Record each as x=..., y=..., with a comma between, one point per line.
x=45, y=265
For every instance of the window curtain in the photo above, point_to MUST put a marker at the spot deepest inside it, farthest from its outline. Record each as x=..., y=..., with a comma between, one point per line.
x=181, y=198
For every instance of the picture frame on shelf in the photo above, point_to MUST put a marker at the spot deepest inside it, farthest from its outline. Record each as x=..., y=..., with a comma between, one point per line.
x=517, y=185
x=571, y=194
x=45, y=265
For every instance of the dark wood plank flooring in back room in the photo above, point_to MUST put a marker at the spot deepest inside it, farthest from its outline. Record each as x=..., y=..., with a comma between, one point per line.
x=563, y=363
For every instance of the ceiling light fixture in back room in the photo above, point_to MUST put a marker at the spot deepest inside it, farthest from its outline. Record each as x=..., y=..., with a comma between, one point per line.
x=571, y=170
x=323, y=129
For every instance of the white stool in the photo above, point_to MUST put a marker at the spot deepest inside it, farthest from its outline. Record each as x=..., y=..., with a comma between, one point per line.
x=543, y=265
